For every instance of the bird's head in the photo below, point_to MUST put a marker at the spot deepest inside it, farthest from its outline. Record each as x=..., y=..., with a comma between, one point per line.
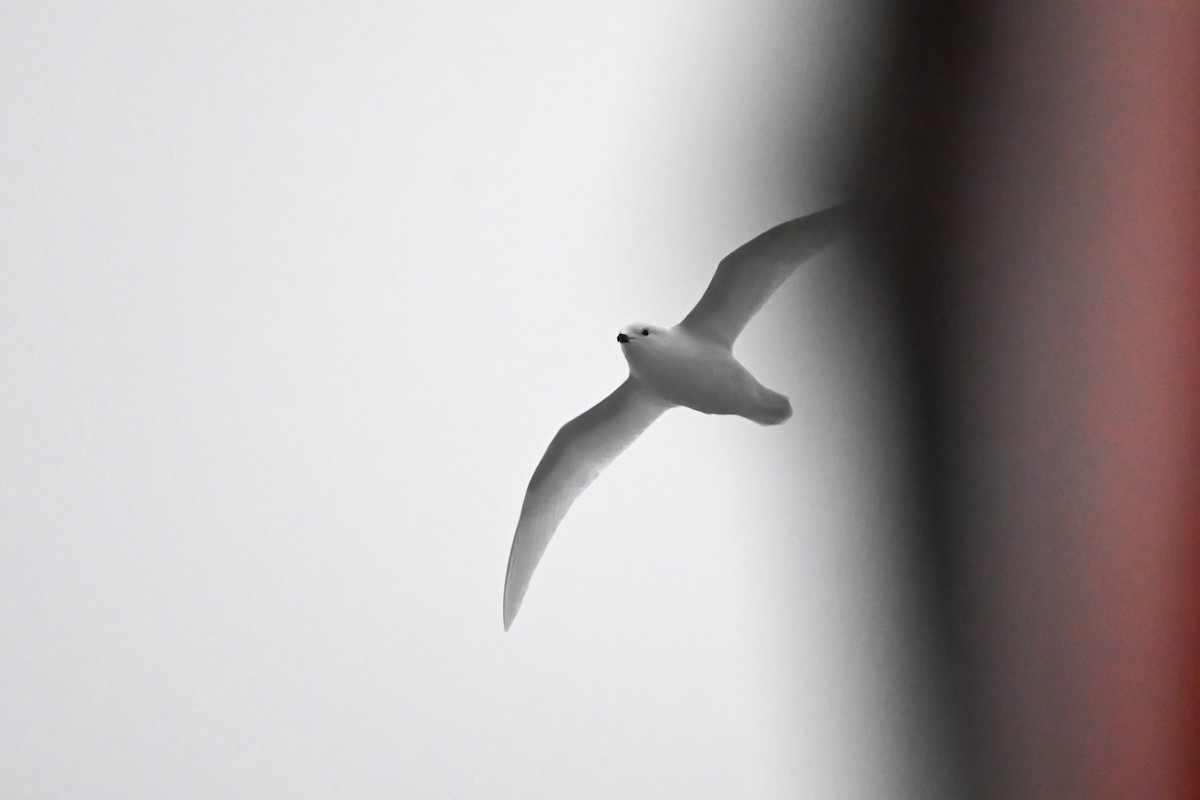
x=642, y=344
x=639, y=334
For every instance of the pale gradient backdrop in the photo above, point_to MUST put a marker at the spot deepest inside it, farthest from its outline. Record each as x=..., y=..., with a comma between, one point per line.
x=294, y=297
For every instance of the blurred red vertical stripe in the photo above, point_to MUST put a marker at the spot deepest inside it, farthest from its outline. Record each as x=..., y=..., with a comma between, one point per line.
x=1188, y=133
x=1085, y=384
x=1149, y=73
x=1036, y=177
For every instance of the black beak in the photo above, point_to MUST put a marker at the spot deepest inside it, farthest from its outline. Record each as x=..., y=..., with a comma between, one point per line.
x=622, y=338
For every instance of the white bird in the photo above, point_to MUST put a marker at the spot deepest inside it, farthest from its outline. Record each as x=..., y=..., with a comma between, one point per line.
x=691, y=365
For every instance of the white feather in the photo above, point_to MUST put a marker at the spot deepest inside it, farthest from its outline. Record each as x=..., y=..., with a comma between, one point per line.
x=578, y=452
x=690, y=365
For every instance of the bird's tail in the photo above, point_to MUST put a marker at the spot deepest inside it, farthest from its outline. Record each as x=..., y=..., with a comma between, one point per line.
x=772, y=408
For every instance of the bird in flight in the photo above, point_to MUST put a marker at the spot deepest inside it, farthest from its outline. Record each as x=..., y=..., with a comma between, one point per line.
x=690, y=364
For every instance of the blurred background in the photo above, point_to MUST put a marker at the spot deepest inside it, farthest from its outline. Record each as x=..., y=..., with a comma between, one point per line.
x=1034, y=180
x=295, y=297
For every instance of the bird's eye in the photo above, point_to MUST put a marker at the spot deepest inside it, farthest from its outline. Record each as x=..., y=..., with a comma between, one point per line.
x=645, y=331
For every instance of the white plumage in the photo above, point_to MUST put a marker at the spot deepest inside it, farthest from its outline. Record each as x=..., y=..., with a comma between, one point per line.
x=690, y=364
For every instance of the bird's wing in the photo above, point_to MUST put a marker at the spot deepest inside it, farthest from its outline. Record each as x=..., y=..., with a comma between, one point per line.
x=749, y=275
x=580, y=449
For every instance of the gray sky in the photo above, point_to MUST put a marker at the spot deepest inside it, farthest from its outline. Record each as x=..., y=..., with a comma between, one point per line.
x=295, y=297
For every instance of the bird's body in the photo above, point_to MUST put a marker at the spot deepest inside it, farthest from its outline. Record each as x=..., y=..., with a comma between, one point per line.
x=690, y=364
x=688, y=369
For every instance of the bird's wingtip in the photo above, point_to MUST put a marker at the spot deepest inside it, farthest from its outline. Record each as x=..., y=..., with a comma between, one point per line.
x=510, y=612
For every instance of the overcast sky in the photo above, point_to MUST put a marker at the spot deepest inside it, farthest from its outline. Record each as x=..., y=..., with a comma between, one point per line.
x=294, y=297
